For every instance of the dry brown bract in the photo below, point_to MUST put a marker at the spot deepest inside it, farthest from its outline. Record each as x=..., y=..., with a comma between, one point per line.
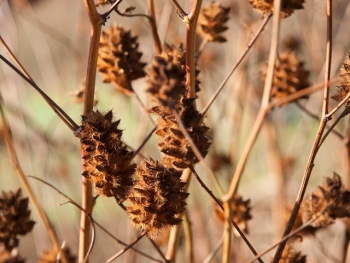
x=328, y=202
x=119, y=59
x=14, y=218
x=289, y=76
x=51, y=256
x=289, y=255
x=157, y=198
x=344, y=88
x=212, y=22
x=107, y=161
x=240, y=213
x=287, y=8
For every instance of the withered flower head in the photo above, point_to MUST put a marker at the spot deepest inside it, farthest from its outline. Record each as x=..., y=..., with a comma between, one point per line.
x=107, y=161
x=287, y=8
x=289, y=76
x=50, y=256
x=119, y=59
x=157, y=198
x=212, y=22
x=10, y=255
x=240, y=213
x=167, y=76
x=177, y=150
x=344, y=88
x=328, y=202
x=289, y=255
x=14, y=218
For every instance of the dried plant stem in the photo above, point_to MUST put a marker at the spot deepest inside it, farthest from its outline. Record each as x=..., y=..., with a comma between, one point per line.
x=226, y=248
x=222, y=207
x=314, y=116
x=175, y=230
x=188, y=237
x=87, y=199
x=6, y=130
x=251, y=43
x=153, y=24
x=329, y=115
x=301, y=93
x=316, y=144
x=191, y=26
x=111, y=259
x=278, y=202
x=214, y=251
x=257, y=125
x=285, y=239
x=179, y=9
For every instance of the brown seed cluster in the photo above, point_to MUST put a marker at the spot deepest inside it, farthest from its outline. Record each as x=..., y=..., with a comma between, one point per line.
x=119, y=59
x=240, y=213
x=287, y=8
x=328, y=202
x=289, y=76
x=50, y=256
x=344, y=88
x=107, y=160
x=157, y=198
x=167, y=86
x=14, y=219
x=212, y=22
x=289, y=255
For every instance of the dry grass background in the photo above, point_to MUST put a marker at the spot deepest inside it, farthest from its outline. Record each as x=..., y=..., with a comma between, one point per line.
x=51, y=39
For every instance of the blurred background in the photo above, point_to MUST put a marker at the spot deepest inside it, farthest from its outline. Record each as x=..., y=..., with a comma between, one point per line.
x=51, y=39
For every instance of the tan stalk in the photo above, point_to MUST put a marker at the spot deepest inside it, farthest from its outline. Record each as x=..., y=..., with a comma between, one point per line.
x=87, y=199
x=17, y=166
x=189, y=237
x=257, y=125
x=153, y=23
x=315, y=146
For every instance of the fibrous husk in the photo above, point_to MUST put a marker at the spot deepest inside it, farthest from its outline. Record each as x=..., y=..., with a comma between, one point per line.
x=157, y=198
x=14, y=218
x=108, y=163
x=212, y=22
x=119, y=59
x=287, y=7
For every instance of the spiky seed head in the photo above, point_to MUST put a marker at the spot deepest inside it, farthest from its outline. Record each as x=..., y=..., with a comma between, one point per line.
x=328, y=202
x=157, y=198
x=289, y=76
x=289, y=255
x=288, y=6
x=212, y=22
x=344, y=87
x=240, y=213
x=14, y=219
x=108, y=163
x=119, y=59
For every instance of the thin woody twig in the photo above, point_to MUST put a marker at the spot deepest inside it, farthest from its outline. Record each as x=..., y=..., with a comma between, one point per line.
x=251, y=43
x=96, y=22
x=17, y=166
x=316, y=144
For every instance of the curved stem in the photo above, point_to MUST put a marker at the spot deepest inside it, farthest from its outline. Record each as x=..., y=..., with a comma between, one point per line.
x=316, y=144
x=96, y=22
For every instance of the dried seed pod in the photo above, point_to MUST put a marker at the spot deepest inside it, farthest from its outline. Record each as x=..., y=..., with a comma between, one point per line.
x=157, y=198
x=289, y=76
x=240, y=213
x=177, y=150
x=119, y=59
x=328, y=202
x=14, y=219
x=287, y=7
x=211, y=22
x=10, y=255
x=289, y=255
x=344, y=88
x=167, y=76
x=107, y=161
x=50, y=256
